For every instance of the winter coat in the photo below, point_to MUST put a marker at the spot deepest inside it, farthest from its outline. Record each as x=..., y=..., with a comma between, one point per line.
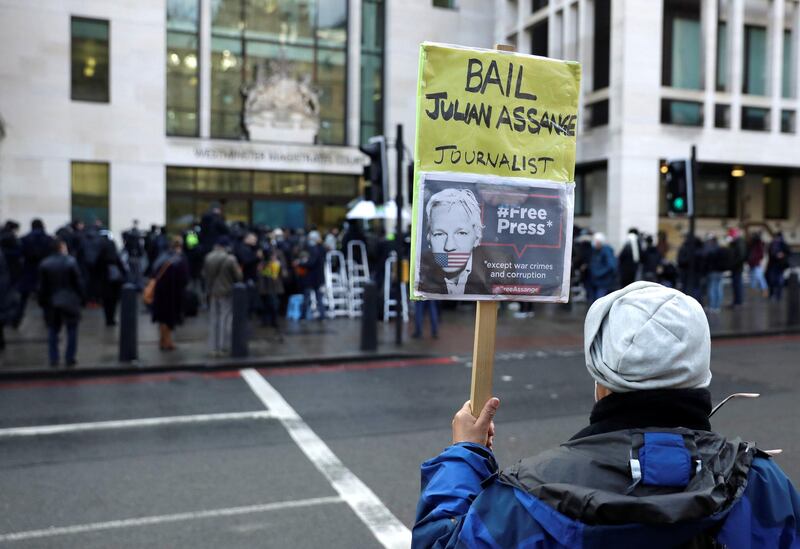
x=778, y=255
x=629, y=260
x=738, y=249
x=603, y=267
x=167, y=307
x=221, y=272
x=61, y=288
x=756, y=253
x=36, y=245
x=312, y=267
x=654, y=487
x=9, y=297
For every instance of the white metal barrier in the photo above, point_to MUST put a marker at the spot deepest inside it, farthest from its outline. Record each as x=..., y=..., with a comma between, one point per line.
x=337, y=294
x=357, y=275
x=389, y=304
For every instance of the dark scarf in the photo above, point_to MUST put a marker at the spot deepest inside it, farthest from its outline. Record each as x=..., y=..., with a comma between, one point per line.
x=668, y=408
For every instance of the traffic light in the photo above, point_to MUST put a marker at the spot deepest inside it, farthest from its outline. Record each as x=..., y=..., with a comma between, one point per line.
x=680, y=187
x=376, y=172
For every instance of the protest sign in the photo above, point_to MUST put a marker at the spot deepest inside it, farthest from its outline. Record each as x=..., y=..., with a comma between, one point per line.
x=509, y=121
x=493, y=190
x=499, y=236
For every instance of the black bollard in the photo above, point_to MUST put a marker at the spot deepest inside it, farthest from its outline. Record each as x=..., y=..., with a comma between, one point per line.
x=793, y=300
x=128, y=324
x=239, y=328
x=369, y=318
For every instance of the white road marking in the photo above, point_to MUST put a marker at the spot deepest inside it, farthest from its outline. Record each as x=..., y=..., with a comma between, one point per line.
x=389, y=531
x=161, y=519
x=130, y=423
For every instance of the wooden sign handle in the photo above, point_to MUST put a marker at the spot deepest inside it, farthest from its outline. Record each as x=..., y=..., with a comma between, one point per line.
x=485, y=331
x=483, y=355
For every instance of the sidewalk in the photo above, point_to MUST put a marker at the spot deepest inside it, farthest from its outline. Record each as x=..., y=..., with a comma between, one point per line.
x=552, y=327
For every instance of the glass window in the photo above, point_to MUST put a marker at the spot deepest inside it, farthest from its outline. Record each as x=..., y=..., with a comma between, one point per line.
x=722, y=116
x=332, y=23
x=90, y=60
x=539, y=39
x=776, y=198
x=372, y=44
x=787, y=72
x=332, y=185
x=681, y=113
x=182, y=84
x=787, y=121
x=307, y=38
x=229, y=181
x=714, y=194
x=681, y=63
x=449, y=4
x=536, y=5
x=755, y=118
x=597, y=114
x=602, y=44
x=288, y=22
x=226, y=84
x=181, y=179
x=722, y=57
x=332, y=83
x=755, y=60
x=90, y=192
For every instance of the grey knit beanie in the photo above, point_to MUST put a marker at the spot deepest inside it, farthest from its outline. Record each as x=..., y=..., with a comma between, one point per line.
x=647, y=336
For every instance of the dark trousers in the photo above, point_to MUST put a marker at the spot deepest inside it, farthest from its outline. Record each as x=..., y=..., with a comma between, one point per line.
x=269, y=315
x=110, y=301
x=738, y=287
x=53, y=329
x=775, y=281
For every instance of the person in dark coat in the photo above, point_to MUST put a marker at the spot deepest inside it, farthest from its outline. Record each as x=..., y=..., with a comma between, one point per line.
x=738, y=256
x=9, y=298
x=35, y=246
x=93, y=245
x=212, y=226
x=651, y=261
x=602, y=268
x=61, y=296
x=111, y=275
x=630, y=258
x=12, y=250
x=172, y=272
x=778, y=253
x=310, y=267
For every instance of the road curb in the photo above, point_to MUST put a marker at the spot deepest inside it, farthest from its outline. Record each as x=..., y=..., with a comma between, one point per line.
x=216, y=366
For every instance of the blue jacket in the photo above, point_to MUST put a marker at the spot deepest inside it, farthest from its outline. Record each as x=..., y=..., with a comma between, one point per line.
x=465, y=503
x=603, y=267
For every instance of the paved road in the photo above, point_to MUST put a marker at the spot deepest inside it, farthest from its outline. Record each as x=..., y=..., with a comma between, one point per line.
x=302, y=457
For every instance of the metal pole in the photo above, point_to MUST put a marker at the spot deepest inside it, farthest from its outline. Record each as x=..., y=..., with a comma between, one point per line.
x=398, y=239
x=128, y=324
x=239, y=329
x=793, y=299
x=369, y=318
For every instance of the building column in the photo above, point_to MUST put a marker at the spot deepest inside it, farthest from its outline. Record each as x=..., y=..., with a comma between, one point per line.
x=205, y=68
x=354, y=72
x=554, y=33
x=775, y=34
x=736, y=60
x=709, y=19
x=584, y=56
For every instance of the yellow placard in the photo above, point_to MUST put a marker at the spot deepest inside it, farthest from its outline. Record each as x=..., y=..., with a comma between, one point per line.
x=495, y=112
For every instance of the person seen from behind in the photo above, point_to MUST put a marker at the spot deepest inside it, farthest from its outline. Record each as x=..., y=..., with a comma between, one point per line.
x=648, y=470
x=602, y=268
x=220, y=271
x=172, y=275
x=61, y=295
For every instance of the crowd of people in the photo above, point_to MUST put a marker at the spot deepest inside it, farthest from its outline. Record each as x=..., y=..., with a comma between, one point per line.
x=699, y=270
x=81, y=266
